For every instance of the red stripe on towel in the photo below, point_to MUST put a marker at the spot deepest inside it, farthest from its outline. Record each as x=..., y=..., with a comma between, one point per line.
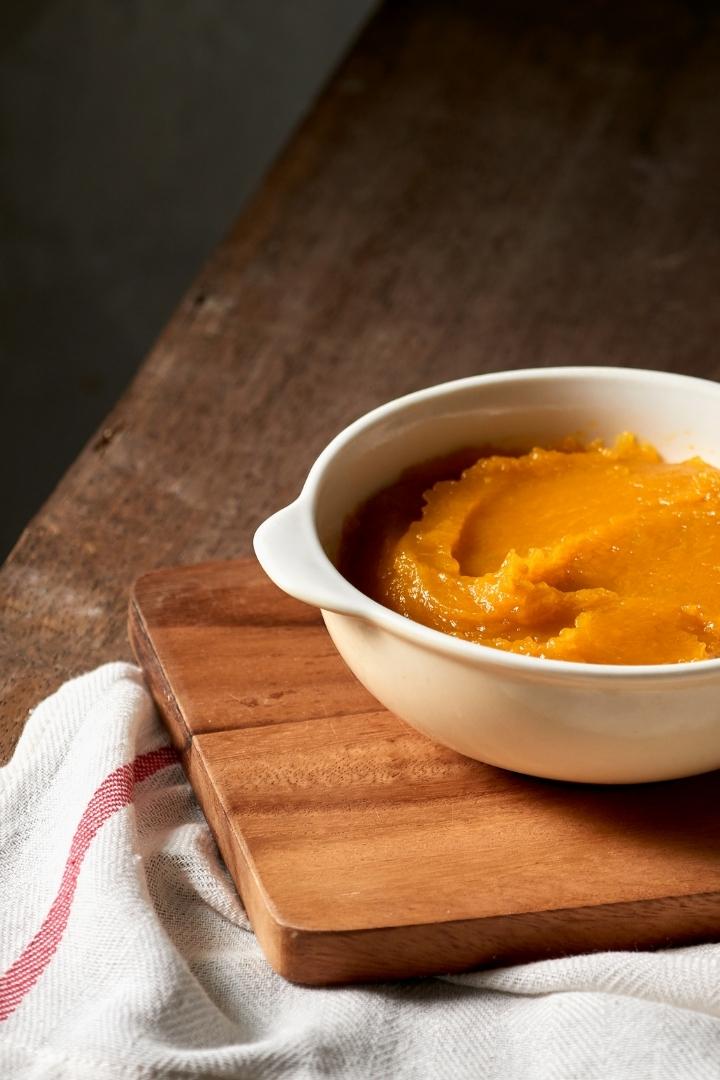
x=114, y=793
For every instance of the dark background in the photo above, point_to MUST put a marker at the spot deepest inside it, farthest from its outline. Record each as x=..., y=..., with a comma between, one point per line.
x=131, y=133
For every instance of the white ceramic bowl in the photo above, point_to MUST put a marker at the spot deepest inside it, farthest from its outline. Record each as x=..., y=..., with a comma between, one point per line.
x=569, y=721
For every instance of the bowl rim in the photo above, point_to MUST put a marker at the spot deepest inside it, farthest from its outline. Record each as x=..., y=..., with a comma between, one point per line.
x=438, y=640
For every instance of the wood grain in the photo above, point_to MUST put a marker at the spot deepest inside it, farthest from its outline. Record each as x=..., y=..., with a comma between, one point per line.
x=482, y=186
x=361, y=849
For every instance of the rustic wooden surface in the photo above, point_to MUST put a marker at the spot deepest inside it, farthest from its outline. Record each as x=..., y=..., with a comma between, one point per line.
x=338, y=821
x=480, y=187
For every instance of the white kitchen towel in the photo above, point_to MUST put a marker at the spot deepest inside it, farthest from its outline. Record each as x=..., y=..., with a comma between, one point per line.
x=125, y=952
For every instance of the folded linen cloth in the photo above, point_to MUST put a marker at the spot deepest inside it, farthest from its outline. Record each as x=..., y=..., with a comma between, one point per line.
x=125, y=951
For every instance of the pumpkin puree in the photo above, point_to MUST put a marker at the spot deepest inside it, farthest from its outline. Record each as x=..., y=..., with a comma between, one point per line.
x=585, y=553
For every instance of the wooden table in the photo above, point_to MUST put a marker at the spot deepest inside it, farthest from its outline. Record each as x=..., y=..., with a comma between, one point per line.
x=479, y=187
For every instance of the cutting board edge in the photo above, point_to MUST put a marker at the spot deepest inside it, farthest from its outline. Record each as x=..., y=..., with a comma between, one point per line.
x=326, y=958
x=160, y=686
x=311, y=957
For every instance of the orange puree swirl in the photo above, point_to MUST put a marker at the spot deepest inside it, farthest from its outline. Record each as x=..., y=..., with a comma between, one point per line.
x=596, y=554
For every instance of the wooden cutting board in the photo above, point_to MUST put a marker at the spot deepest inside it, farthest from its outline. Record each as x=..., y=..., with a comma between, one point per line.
x=362, y=850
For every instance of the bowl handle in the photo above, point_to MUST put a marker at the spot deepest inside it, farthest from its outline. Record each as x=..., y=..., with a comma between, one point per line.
x=290, y=553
